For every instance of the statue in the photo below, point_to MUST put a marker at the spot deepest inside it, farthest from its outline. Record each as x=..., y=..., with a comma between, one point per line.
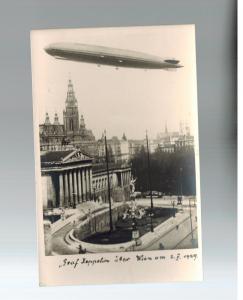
x=132, y=184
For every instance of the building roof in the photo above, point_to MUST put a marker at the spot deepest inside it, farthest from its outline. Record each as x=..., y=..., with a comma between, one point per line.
x=55, y=156
x=58, y=159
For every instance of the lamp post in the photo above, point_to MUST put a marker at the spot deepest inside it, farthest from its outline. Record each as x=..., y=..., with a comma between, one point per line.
x=150, y=186
x=108, y=183
x=179, y=199
x=135, y=231
x=191, y=219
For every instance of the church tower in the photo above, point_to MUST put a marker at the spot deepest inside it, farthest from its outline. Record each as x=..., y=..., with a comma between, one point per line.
x=166, y=129
x=47, y=120
x=82, y=123
x=70, y=114
x=56, y=121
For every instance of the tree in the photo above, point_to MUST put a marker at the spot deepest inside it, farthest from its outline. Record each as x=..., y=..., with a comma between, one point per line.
x=165, y=171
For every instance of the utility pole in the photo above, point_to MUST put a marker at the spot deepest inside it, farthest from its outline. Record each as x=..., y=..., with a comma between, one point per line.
x=150, y=185
x=181, y=169
x=191, y=218
x=108, y=183
x=179, y=198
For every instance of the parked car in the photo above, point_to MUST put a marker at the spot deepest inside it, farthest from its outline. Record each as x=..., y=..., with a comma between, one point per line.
x=155, y=194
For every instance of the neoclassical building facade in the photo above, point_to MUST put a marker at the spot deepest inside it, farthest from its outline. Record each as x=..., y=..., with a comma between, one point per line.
x=69, y=178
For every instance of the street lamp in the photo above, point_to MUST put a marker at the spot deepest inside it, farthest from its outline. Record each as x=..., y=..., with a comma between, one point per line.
x=108, y=184
x=179, y=198
x=150, y=187
x=191, y=219
x=135, y=232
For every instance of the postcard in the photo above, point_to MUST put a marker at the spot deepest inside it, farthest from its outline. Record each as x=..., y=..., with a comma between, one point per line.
x=116, y=155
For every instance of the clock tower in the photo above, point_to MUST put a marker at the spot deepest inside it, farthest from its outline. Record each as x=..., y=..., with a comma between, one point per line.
x=70, y=114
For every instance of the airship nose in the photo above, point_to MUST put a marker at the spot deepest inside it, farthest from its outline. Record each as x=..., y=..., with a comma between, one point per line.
x=48, y=49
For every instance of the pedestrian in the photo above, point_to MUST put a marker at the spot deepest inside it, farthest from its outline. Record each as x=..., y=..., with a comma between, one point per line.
x=80, y=249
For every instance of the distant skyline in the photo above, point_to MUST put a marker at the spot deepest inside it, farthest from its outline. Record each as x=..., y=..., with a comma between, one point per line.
x=126, y=100
x=160, y=130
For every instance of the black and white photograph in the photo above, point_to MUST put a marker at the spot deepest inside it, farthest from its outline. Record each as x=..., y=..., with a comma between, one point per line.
x=117, y=143
x=116, y=140
x=119, y=149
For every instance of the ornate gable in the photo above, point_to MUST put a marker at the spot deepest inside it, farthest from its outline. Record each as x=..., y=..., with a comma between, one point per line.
x=76, y=155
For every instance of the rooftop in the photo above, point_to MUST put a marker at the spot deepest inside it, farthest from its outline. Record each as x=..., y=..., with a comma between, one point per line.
x=55, y=156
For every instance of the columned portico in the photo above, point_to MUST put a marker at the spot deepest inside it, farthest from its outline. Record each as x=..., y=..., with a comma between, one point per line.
x=66, y=177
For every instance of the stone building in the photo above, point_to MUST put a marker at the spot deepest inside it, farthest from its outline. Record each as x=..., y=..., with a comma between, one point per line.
x=175, y=141
x=118, y=149
x=69, y=177
x=135, y=146
x=70, y=134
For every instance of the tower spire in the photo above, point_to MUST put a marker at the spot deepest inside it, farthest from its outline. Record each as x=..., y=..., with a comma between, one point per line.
x=71, y=100
x=70, y=114
x=56, y=121
x=47, y=120
x=166, y=129
x=82, y=123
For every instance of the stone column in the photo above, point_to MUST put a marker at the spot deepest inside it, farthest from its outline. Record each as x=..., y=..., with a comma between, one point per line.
x=79, y=186
x=91, y=184
x=87, y=184
x=66, y=189
x=51, y=194
x=71, y=187
x=61, y=190
x=83, y=184
x=75, y=190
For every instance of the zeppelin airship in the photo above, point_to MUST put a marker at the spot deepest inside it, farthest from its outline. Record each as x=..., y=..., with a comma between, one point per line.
x=109, y=56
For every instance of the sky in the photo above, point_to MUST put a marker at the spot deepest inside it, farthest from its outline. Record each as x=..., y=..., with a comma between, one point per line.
x=126, y=100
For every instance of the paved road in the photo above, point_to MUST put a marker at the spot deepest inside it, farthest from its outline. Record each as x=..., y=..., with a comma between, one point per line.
x=169, y=241
x=188, y=243
x=168, y=201
x=175, y=239
x=58, y=241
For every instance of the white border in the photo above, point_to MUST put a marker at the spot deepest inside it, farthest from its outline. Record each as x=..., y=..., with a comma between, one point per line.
x=133, y=272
